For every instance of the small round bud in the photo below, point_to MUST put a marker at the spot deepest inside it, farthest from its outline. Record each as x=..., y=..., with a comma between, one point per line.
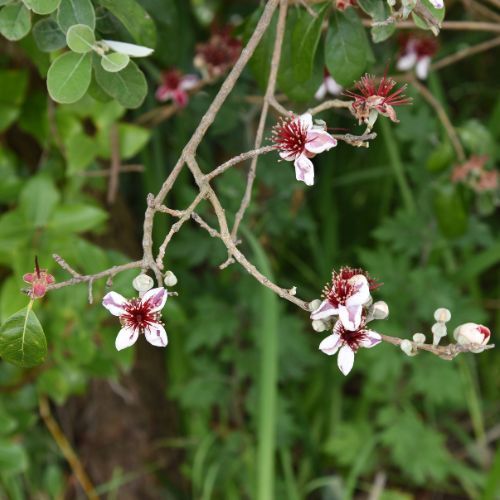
x=380, y=310
x=293, y=290
x=407, y=347
x=314, y=305
x=442, y=315
x=438, y=331
x=472, y=333
x=170, y=279
x=419, y=338
x=142, y=283
x=319, y=326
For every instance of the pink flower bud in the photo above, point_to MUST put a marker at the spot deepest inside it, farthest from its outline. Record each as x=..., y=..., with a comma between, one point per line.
x=39, y=279
x=472, y=333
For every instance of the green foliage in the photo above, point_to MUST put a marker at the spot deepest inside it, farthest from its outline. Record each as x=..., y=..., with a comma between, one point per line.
x=80, y=38
x=73, y=12
x=15, y=21
x=42, y=6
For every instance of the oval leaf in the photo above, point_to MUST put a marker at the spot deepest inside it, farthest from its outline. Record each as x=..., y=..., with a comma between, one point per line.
x=135, y=19
x=69, y=77
x=73, y=12
x=305, y=38
x=42, y=7
x=80, y=38
x=346, y=47
x=48, y=36
x=378, y=11
x=22, y=341
x=15, y=21
x=114, y=62
x=437, y=14
x=129, y=48
x=128, y=86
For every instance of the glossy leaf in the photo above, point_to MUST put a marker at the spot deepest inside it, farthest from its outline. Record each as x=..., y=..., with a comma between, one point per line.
x=42, y=7
x=15, y=21
x=69, y=77
x=48, y=35
x=135, y=19
x=379, y=11
x=22, y=340
x=127, y=86
x=73, y=12
x=80, y=38
x=346, y=47
x=114, y=62
x=305, y=39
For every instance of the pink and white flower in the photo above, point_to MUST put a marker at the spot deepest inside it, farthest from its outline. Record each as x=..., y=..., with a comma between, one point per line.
x=438, y=4
x=39, y=279
x=345, y=296
x=138, y=315
x=329, y=86
x=347, y=342
x=175, y=87
x=297, y=140
x=472, y=333
x=416, y=51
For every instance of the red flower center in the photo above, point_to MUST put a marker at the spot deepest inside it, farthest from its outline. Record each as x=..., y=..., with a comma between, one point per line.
x=352, y=339
x=139, y=315
x=290, y=135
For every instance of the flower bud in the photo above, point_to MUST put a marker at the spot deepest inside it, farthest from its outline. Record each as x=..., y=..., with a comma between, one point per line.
x=472, y=333
x=314, y=305
x=442, y=315
x=419, y=338
x=407, y=347
x=170, y=279
x=142, y=283
x=438, y=331
x=380, y=310
x=319, y=325
x=372, y=118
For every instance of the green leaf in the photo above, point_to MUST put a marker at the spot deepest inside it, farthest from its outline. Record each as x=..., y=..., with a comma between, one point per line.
x=346, y=47
x=437, y=14
x=132, y=139
x=69, y=77
x=305, y=39
x=378, y=11
x=127, y=86
x=15, y=21
x=42, y=7
x=22, y=341
x=13, y=85
x=135, y=19
x=450, y=211
x=13, y=458
x=80, y=38
x=114, y=62
x=81, y=151
x=38, y=199
x=73, y=12
x=48, y=36
x=77, y=218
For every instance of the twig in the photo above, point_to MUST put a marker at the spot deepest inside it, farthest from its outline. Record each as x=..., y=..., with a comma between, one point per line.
x=378, y=486
x=66, y=266
x=443, y=117
x=66, y=449
x=463, y=53
x=124, y=169
x=211, y=231
x=332, y=103
x=278, y=107
x=450, y=25
x=114, y=177
x=271, y=85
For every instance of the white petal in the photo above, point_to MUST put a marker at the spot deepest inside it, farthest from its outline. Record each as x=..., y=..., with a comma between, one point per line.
x=115, y=303
x=188, y=82
x=407, y=61
x=156, y=335
x=304, y=170
x=155, y=298
x=287, y=155
x=129, y=48
x=330, y=345
x=438, y=4
x=321, y=92
x=422, y=68
x=371, y=339
x=345, y=359
x=362, y=294
x=325, y=310
x=333, y=87
x=126, y=337
x=306, y=120
x=350, y=317
x=318, y=141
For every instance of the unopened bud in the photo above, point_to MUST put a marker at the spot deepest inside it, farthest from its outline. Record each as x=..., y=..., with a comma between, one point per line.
x=372, y=118
x=419, y=338
x=319, y=325
x=142, y=283
x=472, y=333
x=442, y=315
x=407, y=347
x=170, y=279
x=293, y=290
x=380, y=310
x=438, y=331
x=314, y=305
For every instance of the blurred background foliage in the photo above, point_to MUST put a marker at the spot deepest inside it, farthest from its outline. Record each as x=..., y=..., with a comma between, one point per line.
x=187, y=422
